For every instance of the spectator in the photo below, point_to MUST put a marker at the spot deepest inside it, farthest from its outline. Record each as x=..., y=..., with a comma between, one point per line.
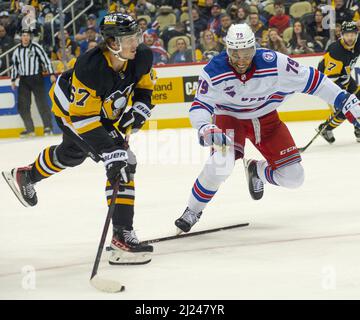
x=233, y=7
x=6, y=43
x=199, y=23
x=214, y=23
x=337, y=31
x=171, y=32
x=182, y=53
x=9, y=24
x=341, y=12
x=258, y=28
x=316, y=31
x=91, y=35
x=242, y=15
x=301, y=42
x=209, y=47
x=92, y=45
x=142, y=23
x=129, y=5
x=144, y=7
x=69, y=59
x=28, y=60
x=280, y=20
x=225, y=23
x=275, y=42
x=205, y=10
x=74, y=47
x=160, y=55
x=232, y=12
x=90, y=23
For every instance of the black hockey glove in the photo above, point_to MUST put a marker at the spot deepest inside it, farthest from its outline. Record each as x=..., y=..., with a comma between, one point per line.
x=115, y=161
x=135, y=117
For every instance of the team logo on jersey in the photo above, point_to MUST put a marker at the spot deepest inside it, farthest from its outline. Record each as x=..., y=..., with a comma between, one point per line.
x=268, y=56
x=230, y=91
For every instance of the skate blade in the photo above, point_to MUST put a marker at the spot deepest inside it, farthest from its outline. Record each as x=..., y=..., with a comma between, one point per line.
x=120, y=257
x=10, y=181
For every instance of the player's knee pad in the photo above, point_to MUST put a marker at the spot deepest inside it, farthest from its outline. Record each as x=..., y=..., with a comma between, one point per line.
x=70, y=157
x=291, y=176
x=219, y=166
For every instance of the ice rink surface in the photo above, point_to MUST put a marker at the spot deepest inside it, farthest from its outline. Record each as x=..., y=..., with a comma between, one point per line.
x=301, y=244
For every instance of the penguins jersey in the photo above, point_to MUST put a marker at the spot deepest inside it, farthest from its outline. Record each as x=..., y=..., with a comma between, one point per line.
x=272, y=77
x=338, y=62
x=93, y=96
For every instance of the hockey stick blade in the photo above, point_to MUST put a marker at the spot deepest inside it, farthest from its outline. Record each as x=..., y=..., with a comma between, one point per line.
x=105, y=285
x=192, y=234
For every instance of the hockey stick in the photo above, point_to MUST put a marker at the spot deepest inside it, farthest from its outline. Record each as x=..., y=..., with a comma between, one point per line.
x=319, y=132
x=192, y=234
x=106, y=285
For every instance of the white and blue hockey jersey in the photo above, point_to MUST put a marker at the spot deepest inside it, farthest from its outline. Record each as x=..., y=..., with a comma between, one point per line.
x=272, y=77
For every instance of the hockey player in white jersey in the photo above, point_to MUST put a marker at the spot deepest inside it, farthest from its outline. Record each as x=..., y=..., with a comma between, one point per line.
x=239, y=92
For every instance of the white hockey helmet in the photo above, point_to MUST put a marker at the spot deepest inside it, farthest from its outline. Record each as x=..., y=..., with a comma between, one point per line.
x=240, y=36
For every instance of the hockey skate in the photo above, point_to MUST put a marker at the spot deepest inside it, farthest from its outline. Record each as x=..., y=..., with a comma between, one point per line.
x=126, y=248
x=20, y=183
x=328, y=135
x=187, y=220
x=256, y=186
x=357, y=134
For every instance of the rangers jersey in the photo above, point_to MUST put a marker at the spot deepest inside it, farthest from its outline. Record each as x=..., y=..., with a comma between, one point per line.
x=271, y=78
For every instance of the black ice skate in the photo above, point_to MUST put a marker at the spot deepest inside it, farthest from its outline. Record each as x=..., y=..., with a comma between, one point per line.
x=187, y=220
x=126, y=248
x=357, y=134
x=20, y=183
x=256, y=186
x=327, y=134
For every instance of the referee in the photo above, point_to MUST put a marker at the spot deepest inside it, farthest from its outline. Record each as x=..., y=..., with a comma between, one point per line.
x=28, y=60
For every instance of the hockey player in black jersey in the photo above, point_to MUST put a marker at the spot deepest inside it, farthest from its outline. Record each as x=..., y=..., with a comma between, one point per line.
x=89, y=104
x=337, y=64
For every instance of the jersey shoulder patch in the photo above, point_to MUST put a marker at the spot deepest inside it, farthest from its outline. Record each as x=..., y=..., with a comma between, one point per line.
x=265, y=59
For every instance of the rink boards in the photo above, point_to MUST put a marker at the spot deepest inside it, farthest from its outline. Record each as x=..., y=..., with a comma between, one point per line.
x=172, y=96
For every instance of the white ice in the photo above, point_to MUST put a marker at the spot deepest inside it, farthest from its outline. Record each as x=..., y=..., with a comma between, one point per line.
x=300, y=243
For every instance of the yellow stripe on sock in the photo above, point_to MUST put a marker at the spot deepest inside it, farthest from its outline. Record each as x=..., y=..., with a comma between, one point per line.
x=41, y=171
x=48, y=161
x=130, y=184
x=129, y=202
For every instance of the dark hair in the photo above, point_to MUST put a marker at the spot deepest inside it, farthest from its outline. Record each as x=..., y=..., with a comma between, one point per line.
x=141, y=19
x=278, y=3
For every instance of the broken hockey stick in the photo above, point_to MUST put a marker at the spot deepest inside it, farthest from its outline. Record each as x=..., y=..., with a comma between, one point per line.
x=192, y=234
x=106, y=285
x=319, y=132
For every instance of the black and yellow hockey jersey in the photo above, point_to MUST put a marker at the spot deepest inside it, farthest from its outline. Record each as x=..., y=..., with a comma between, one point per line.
x=338, y=62
x=99, y=95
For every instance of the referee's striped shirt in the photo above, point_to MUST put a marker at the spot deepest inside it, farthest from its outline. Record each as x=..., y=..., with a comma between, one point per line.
x=27, y=61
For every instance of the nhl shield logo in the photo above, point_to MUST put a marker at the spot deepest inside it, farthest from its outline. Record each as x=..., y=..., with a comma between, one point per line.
x=268, y=56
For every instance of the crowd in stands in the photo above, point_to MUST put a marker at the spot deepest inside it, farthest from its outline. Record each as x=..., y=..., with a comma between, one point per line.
x=288, y=26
